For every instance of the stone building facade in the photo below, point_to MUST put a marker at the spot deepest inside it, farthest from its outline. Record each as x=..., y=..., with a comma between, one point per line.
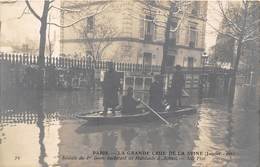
x=135, y=38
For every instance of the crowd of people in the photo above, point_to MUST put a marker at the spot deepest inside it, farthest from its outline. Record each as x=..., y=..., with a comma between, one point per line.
x=157, y=97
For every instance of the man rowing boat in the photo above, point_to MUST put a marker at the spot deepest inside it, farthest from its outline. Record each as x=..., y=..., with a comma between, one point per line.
x=129, y=104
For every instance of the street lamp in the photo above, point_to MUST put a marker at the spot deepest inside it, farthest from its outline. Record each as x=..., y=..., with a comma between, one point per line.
x=202, y=78
x=204, y=58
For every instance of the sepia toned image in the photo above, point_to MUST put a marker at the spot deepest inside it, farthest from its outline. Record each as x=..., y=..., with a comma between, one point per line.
x=129, y=83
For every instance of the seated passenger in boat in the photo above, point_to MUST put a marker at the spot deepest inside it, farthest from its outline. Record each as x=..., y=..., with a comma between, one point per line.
x=129, y=104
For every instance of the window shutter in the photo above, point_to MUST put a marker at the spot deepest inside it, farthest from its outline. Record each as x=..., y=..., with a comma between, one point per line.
x=177, y=36
x=197, y=39
x=187, y=36
x=141, y=22
x=155, y=32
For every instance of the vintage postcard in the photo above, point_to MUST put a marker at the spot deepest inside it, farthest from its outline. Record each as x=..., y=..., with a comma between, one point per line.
x=129, y=83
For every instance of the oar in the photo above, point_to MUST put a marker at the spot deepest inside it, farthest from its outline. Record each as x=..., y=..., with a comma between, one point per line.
x=185, y=93
x=163, y=119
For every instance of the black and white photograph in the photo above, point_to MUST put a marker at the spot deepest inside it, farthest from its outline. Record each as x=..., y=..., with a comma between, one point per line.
x=129, y=83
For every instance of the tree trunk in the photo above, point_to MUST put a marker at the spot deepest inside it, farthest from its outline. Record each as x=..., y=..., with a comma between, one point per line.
x=166, y=40
x=43, y=30
x=43, y=33
x=42, y=44
x=232, y=86
x=257, y=70
x=258, y=91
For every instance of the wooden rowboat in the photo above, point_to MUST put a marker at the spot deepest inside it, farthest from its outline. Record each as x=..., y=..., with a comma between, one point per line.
x=96, y=118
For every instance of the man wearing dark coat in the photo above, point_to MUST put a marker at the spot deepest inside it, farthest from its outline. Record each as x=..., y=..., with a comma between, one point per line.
x=129, y=104
x=156, y=94
x=212, y=84
x=110, y=89
x=178, y=83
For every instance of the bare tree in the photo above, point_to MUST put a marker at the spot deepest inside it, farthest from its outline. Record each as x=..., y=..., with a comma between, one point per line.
x=168, y=15
x=50, y=44
x=240, y=24
x=47, y=6
x=43, y=19
x=223, y=50
x=96, y=37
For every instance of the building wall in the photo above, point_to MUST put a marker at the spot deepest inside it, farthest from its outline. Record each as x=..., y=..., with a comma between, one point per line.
x=129, y=43
x=121, y=51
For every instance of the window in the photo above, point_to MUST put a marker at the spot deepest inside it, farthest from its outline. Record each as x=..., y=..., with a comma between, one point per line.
x=151, y=2
x=190, y=62
x=129, y=81
x=195, y=8
x=149, y=27
x=170, y=60
x=139, y=81
x=147, y=60
x=193, y=37
x=147, y=82
x=172, y=35
x=175, y=7
x=155, y=37
x=90, y=23
x=141, y=26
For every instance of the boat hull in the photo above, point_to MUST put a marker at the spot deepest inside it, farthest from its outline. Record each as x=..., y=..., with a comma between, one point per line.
x=146, y=116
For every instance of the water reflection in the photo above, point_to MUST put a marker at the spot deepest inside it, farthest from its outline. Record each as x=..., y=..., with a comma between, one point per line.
x=109, y=141
x=127, y=136
x=45, y=129
x=40, y=124
x=228, y=130
x=154, y=139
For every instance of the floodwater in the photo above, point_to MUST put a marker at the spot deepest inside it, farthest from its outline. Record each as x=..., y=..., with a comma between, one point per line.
x=42, y=131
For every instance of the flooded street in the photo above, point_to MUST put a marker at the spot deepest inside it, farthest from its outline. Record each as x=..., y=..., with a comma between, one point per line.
x=47, y=133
